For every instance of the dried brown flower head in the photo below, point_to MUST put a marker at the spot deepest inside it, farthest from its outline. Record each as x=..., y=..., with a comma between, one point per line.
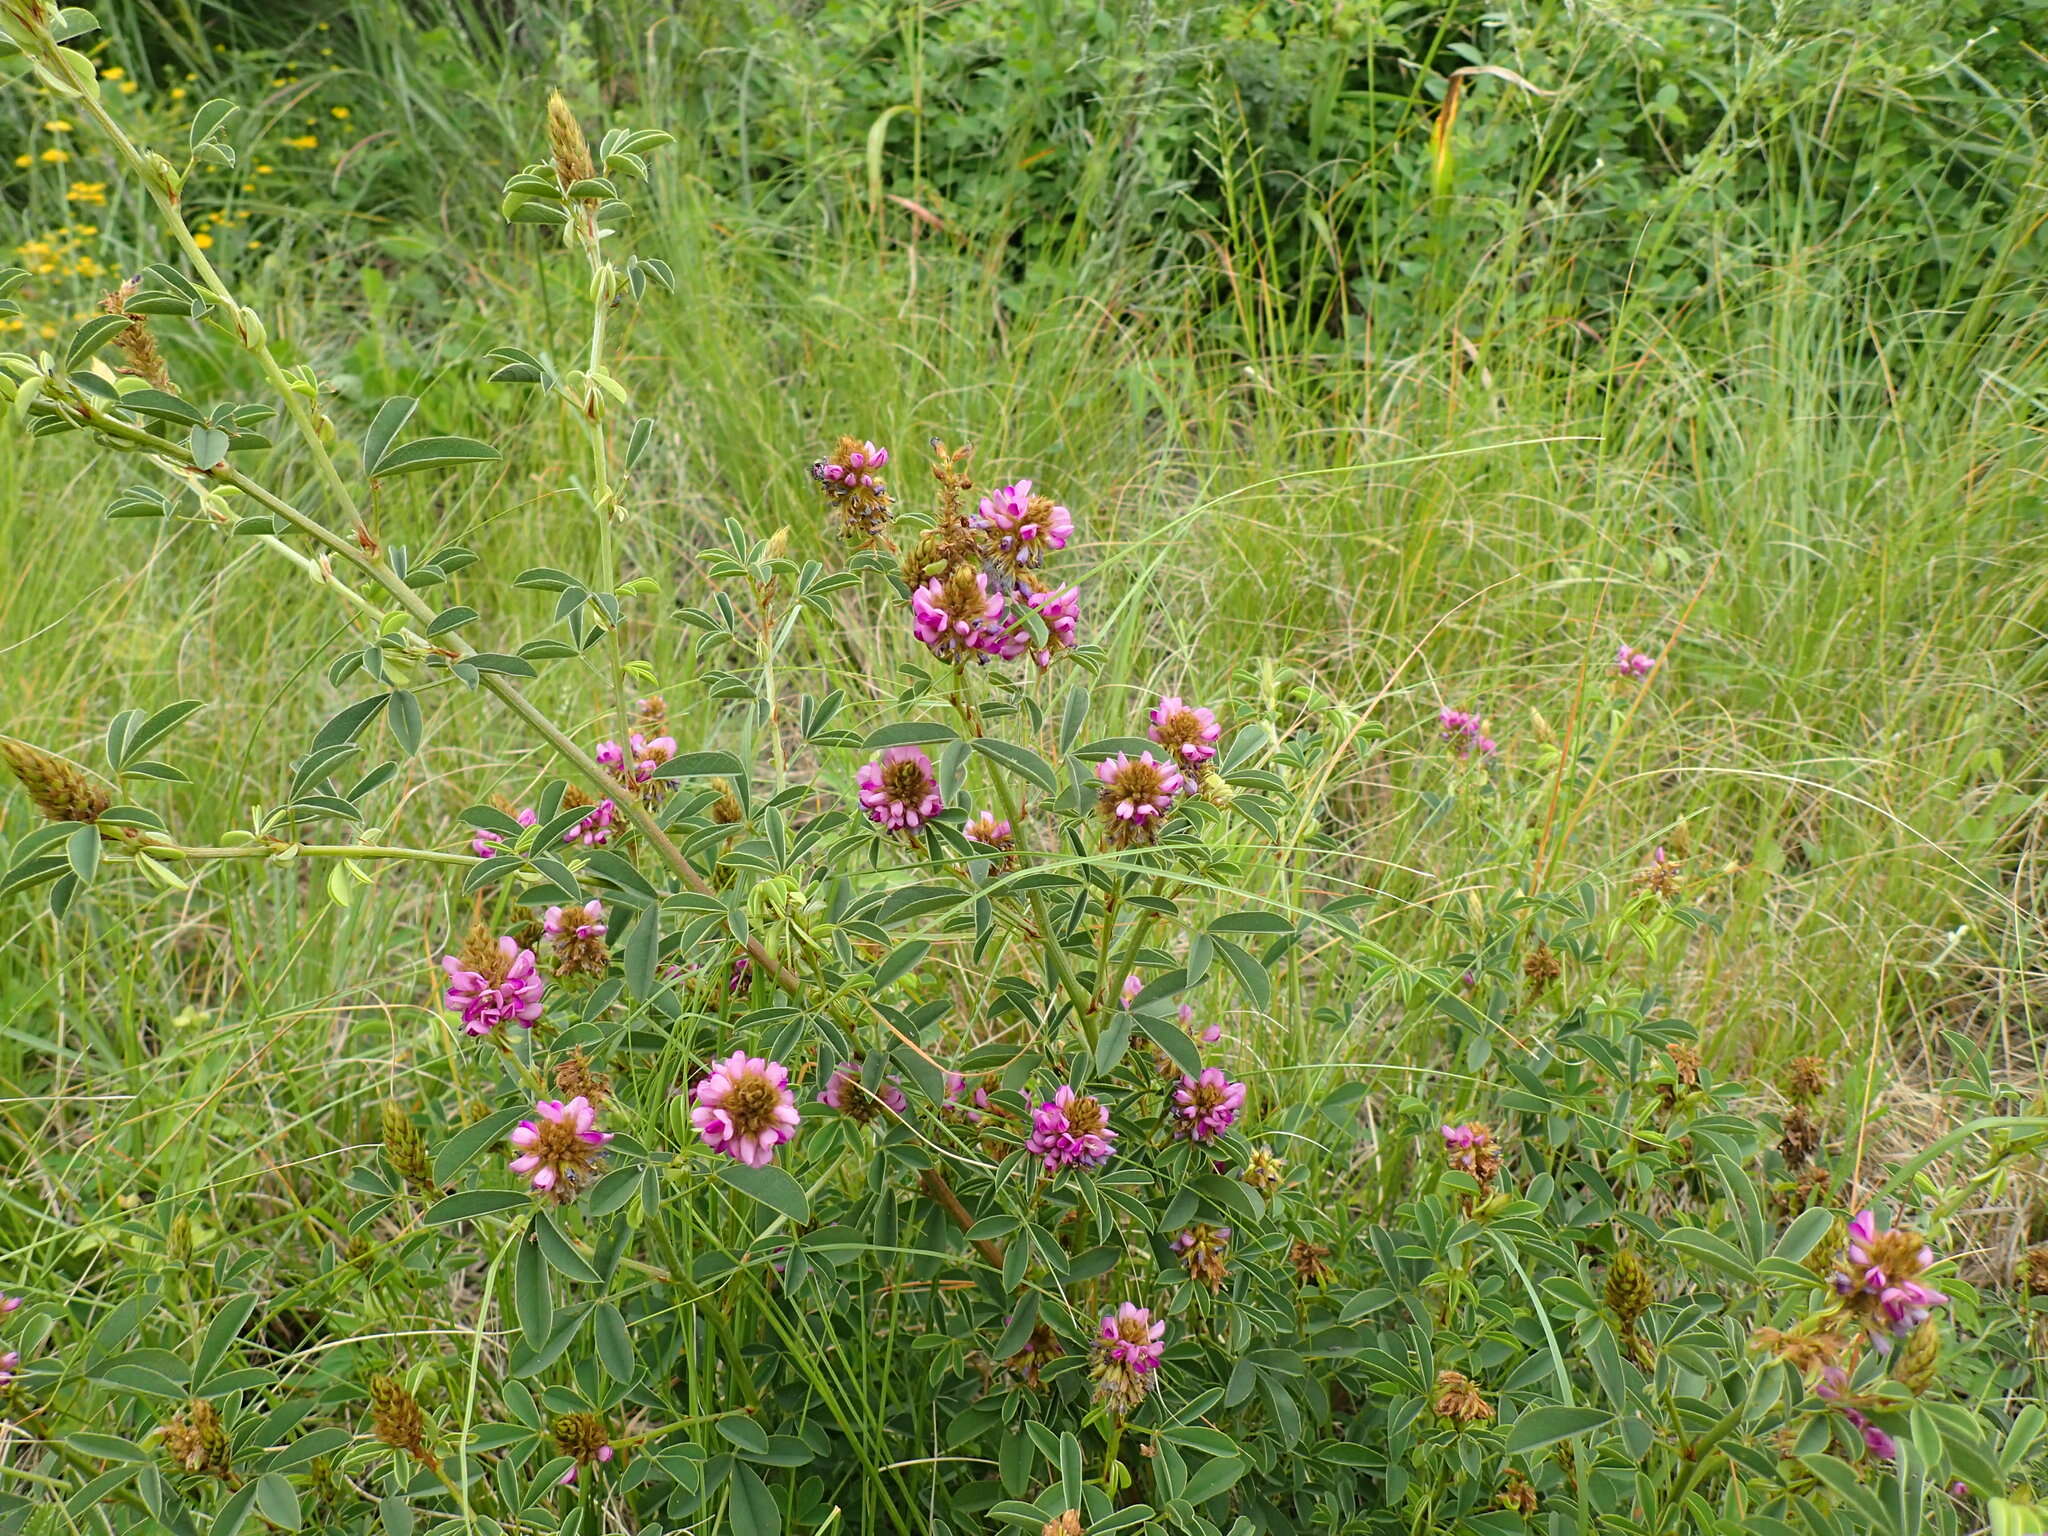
x=1458, y=1399
x=136, y=341
x=1800, y=1137
x=1540, y=968
x=1311, y=1262
x=1517, y=1493
x=1806, y=1079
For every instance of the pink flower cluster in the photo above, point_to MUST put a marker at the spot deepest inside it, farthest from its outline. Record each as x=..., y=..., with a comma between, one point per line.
x=1132, y=1339
x=1206, y=1106
x=744, y=1108
x=1466, y=733
x=511, y=993
x=1188, y=731
x=1138, y=793
x=1632, y=663
x=858, y=470
x=973, y=1106
x=899, y=791
x=486, y=842
x=1070, y=1130
x=648, y=754
x=585, y=922
x=595, y=829
x=846, y=1090
x=1024, y=526
x=1881, y=1279
x=558, y=1151
x=958, y=617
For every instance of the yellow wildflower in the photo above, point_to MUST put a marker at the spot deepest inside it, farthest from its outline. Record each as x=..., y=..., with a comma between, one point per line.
x=340, y=114
x=93, y=192
x=56, y=125
x=53, y=156
x=303, y=141
x=204, y=242
x=112, y=72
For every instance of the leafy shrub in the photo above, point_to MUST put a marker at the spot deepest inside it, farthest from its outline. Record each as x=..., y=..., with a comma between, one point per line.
x=857, y=1124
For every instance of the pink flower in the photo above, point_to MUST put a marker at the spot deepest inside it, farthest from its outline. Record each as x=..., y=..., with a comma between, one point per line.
x=1132, y=1339
x=971, y=1106
x=745, y=1109
x=1880, y=1279
x=1024, y=525
x=860, y=462
x=1070, y=1130
x=1135, y=796
x=1464, y=732
x=585, y=922
x=560, y=1149
x=1060, y=610
x=957, y=616
x=988, y=831
x=1188, y=732
x=509, y=989
x=899, y=791
x=9, y=1304
x=1629, y=662
x=1207, y=1106
x=486, y=842
x=603, y=1453
x=1133, y=985
x=10, y=1363
x=847, y=1091
x=595, y=829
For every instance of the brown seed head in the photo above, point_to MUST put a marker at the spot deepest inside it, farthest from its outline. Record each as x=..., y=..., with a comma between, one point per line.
x=1517, y=1493
x=1800, y=1138
x=1541, y=967
x=1068, y=1524
x=577, y=1076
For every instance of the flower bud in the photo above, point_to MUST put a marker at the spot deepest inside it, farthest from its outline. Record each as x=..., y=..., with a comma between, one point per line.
x=1629, y=1291
x=397, y=1419
x=405, y=1149
x=60, y=789
x=1920, y=1359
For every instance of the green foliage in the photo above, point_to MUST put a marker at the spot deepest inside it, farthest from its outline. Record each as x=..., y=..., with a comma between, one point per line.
x=1358, y=420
